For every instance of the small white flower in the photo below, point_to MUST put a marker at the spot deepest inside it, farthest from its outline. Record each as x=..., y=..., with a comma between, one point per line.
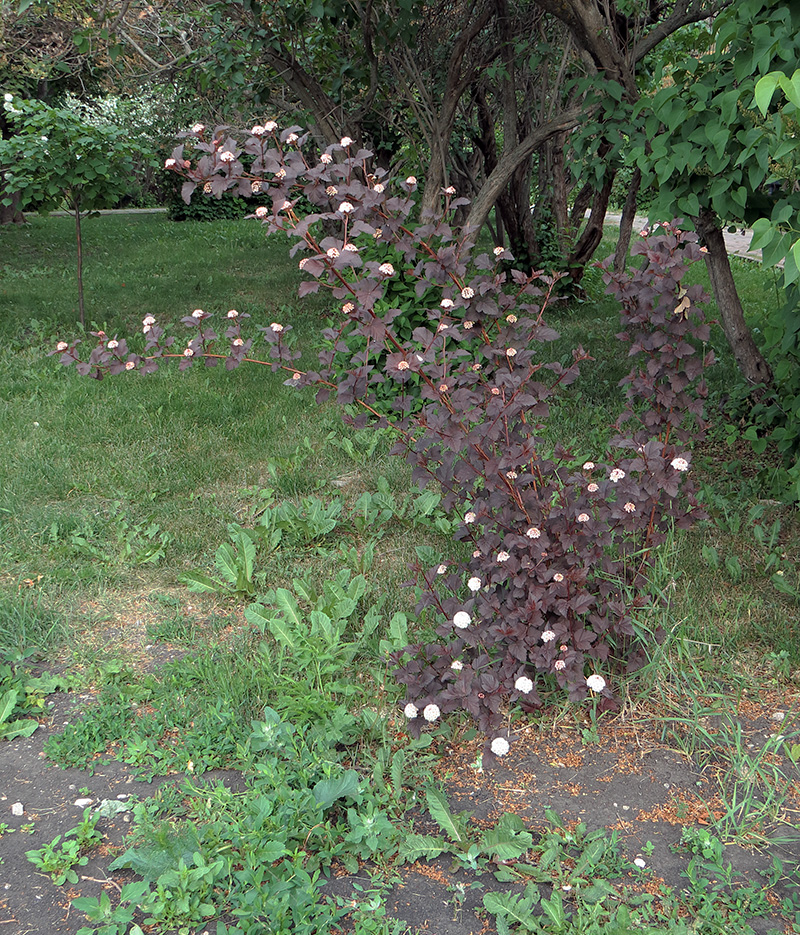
x=303, y=263
x=326, y=159
x=446, y=303
x=112, y=345
x=207, y=188
x=258, y=130
x=237, y=342
x=346, y=141
x=450, y=190
x=188, y=352
x=331, y=190
x=583, y=517
x=261, y=211
x=130, y=365
x=297, y=376
x=431, y=712
x=592, y=488
x=500, y=746
x=411, y=180
x=462, y=620
x=169, y=163
x=558, y=576
x=469, y=517
x=198, y=313
x=8, y=97
x=596, y=683
x=559, y=665
x=348, y=307
x=511, y=319
x=533, y=533
x=270, y=125
x=511, y=475
x=332, y=252
x=148, y=320
x=615, y=475
x=511, y=352
x=629, y=507
x=255, y=186
x=441, y=570
x=379, y=188
x=548, y=636
x=524, y=685
x=442, y=326
x=680, y=464
x=227, y=156
x=640, y=862
x=146, y=329
x=198, y=128
x=276, y=327
x=467, y=292
x=588, y=466
x=411, y=711
x=292, y=138
x=62, y=346
x=346, y=208
x=474, y=584
x=281, y=173
x=468, y=325
x=498, y=250
x=350, y=248
x=457, y=664
x=233, y=313
x=403, y=365
x=387, y=269
x=286, y=206
x=503, y=556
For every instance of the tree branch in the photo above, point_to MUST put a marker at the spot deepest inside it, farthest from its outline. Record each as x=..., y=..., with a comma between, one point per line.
x=684, y=14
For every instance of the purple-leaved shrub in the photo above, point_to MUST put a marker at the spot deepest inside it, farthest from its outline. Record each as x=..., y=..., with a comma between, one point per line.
x=561, y=542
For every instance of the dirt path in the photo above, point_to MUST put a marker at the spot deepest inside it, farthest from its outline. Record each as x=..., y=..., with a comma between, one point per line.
x=627, y=783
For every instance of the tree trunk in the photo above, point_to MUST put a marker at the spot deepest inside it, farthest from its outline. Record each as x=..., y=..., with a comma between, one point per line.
x=590, y=239
x=79, y=243
x=751, y=362
x=626, y=223
x=508, y=162
x=10, y=214
x=559, y=182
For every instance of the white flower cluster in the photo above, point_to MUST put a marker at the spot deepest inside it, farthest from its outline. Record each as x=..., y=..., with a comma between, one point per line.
x=500, y=746
x=596, y=683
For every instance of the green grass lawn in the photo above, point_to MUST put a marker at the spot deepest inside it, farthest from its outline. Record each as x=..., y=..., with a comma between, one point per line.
x=111, y=491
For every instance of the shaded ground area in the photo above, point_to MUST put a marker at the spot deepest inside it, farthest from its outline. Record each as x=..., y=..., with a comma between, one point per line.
x=627, y=782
